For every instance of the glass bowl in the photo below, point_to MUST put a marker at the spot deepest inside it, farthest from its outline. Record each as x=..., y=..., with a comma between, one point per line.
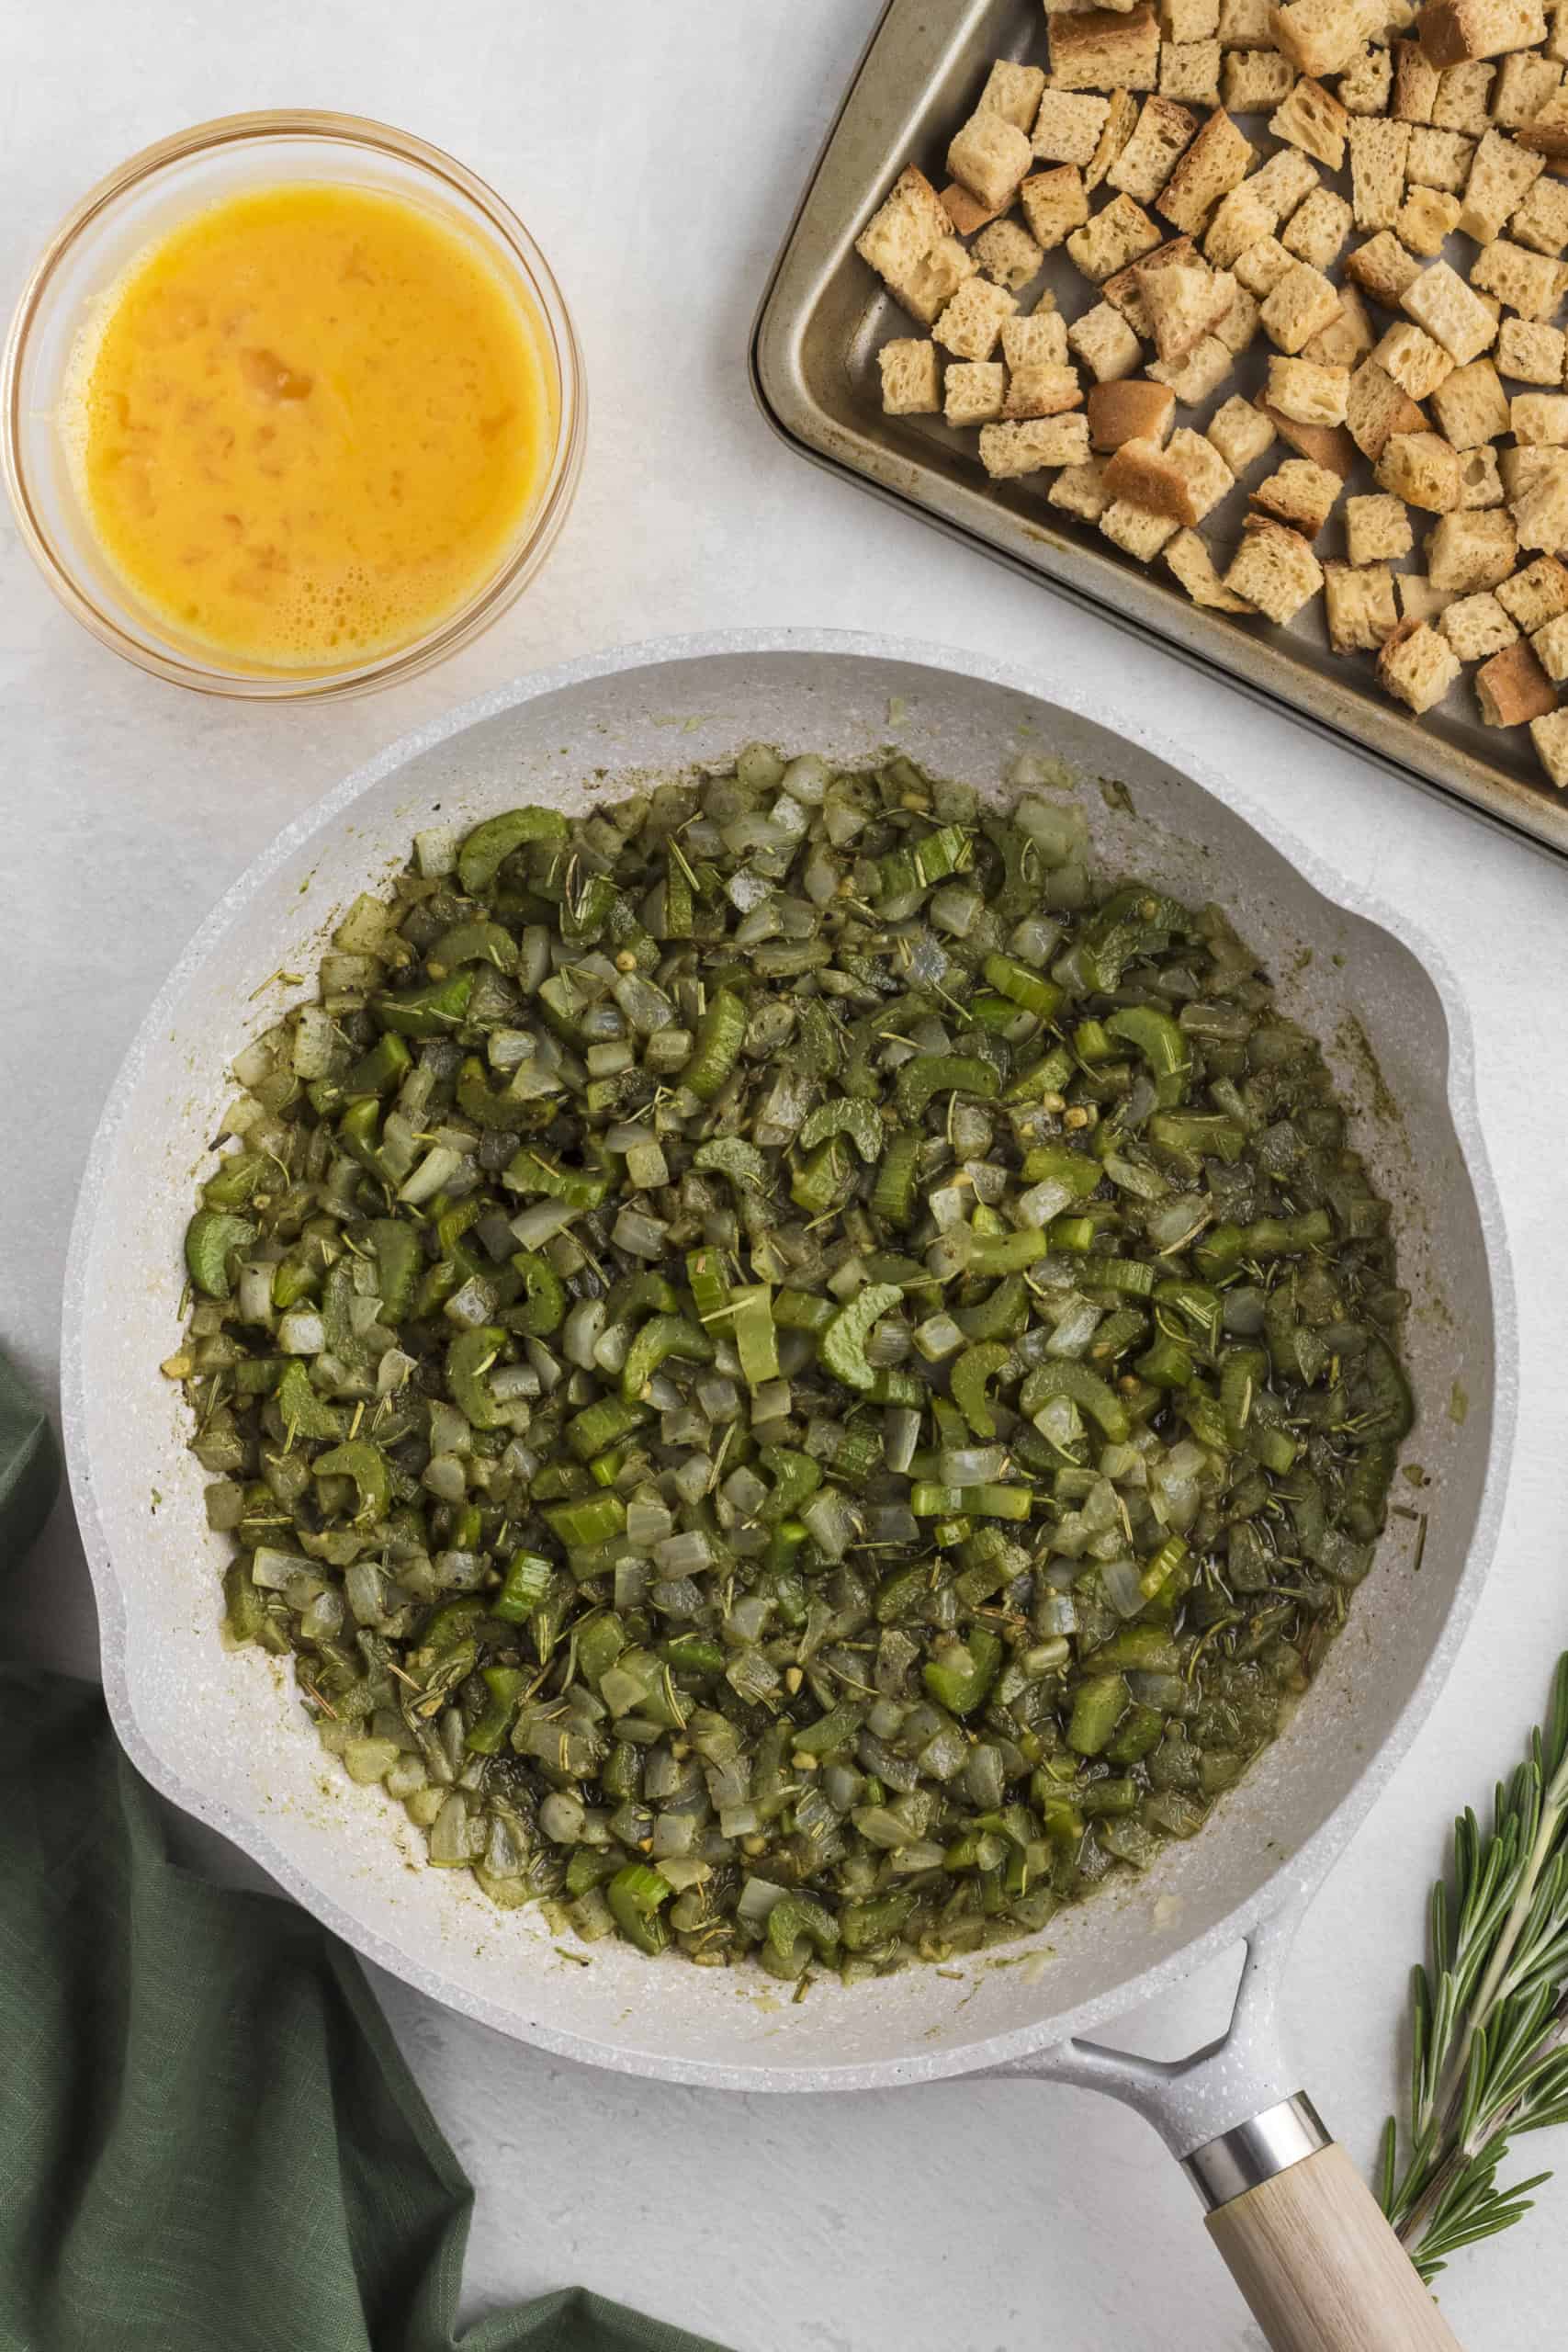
x=144, y=199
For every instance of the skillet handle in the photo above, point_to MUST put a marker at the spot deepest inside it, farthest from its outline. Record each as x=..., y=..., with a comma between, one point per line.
x=1306, y=2242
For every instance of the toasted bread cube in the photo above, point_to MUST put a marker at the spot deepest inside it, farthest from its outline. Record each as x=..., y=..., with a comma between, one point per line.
x=1105, y=343
x=1317, y=229
x=1550, y=735
x=1534, y=353
x=1557, y=31
x=934, y=280
x=1465, y=552
x=972, y=321
x=1365, y=83
x=1043, y=387
x=1322, y=36
x=1513, y=689
x=1008, y=255
x=1539, y=420
x=1241, y=434
x=1142, y=169
x=1262, y=267
x=1471, y=405
x=1377, y=170
x=965, y=212
x=1383, y=268
x=1328, y=447
x=1104, y=49
x=1312, y=119
x=1541, y=220
x=1080, y=490
x=1551, y=646
x=911, y=379
x=1547, y=132
x=1306, y=393
x=1531, y=283
x=1524, y=85
x=1040, y=340
x=1125, y=290
x=1012, y=91
x=1358, y=606
x=1479, y=483
x=1416, y=81
x=1477, y=627
x=1439, y=159
x=1203, y=467
x=1422, y=468
x=1189, y=559
x=1008, y=451
x=1055, y=204
x=1190, y=70
x=1244, y=24
x=1067, y=125
x=990, y=156
x=1274, y=569
x=1187, y=20
x=1377, y=530
x=1302, y=304
x=1417, y=665
x=1453, y=30
x=902, y=232
x=1217, y=161
x=1120, y=121
x=1299, y=493
x=1240, y=223
x=1346, y=340
x=1536, y=595
x=1376, y=410
x=1239, y=326
x=1463, y=99
x=1527, y=471
x=975, y=390
x=1147, y=476
x=1202, y=372
x=1426, y=219
x=1112, y=239
x=1137, y=530
x=1130, y=410
x=1439, y=300
x=1418, y=600
x=1287, y=179
x=1254, y=81
x=1501, y=176
x=1184, y=304
x=1416, y=363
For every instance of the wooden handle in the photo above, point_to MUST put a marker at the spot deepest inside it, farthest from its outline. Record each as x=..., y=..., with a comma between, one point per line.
x=1320, y=2267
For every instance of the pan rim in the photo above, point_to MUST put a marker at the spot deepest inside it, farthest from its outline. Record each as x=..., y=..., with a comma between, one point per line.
x=1298, y=1874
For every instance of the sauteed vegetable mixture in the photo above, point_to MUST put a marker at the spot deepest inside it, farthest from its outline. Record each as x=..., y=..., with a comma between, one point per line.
x=800, y=1380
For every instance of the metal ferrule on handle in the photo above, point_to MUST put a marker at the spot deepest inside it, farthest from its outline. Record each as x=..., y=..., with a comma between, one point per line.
x=1256, y=2151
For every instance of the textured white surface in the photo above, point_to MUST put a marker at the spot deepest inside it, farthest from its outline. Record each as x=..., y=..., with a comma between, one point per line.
x=657, y=154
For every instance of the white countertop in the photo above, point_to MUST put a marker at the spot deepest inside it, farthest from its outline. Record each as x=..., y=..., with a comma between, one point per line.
x=657, y=151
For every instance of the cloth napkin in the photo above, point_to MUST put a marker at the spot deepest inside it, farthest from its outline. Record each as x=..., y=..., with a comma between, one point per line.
x=209, y=2141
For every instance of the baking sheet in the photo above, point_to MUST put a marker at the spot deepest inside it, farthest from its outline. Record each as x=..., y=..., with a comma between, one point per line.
x=824, y=317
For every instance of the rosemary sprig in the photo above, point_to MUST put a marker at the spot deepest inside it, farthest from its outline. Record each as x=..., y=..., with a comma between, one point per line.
x=1489, y=2022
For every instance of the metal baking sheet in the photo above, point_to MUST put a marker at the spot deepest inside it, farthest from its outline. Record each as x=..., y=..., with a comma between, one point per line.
x=824, y=316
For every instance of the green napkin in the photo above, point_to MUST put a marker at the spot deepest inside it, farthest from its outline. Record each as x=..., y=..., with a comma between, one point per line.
x=209, y=2141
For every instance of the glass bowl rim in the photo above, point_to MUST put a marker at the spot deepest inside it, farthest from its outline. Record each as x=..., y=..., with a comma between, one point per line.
x=471, y=618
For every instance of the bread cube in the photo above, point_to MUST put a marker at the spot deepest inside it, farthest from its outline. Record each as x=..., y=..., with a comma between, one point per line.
x=1358, y=606
x=1146, y=475
x=1244, y=24
x=1253, y=81
x=1312, y=119
x=1479, y=483
x=1377, y=530
x=1008, y=255
x=1376, y=410
x=1426, y=219
x=1188, y=20
x=972, y=321
x=1067, y=125
x=1105, y=343
x=973, y=391
x=1452, y=31
x=1287, y=179
x=1190, y=70
x=1534, y=353
x=1417, y=665
x=1418, y=600
x=1217, y=161
x=1274, y=569
x=1125, y=290
x=1121, y=120
x=1038, y=340
x=1416, y=81
x=1303, y=302
x=1439, y=159
x=1010, y=450
x=1112, y=239
x=1317, y=229
x=1105, y=50
x=1384, y=268
x=965, y=213
x=1422, y=468
x=1550, y=735
x=1536, y=595
x=1080, y=490
x=1130, y=410
x=1539, y=419
x=1299, y=493
x=1465, y=552
x=1241, y=434
x=990, y=156
x=1513, y=687
x=1524, y=85
x=1189, y=559
x=1501, y=176
x=1202, y=372
x=1137, y=530
x=1463, y=99
x=1377, y=169
x=911, y=379
x=1322, y=36
x=1306, y=393
x=904, y=228
x=1203, y=467
x=1055, y=204
x=1531, y=283
x=934, y=279
x=1471, y=405
x=1326, y=446
x=1477, y=627
x=1416, y=363
x=1012, y=91
x=1043, y=387
x=1366, y=83
x=1439, y=300
x=1240, y=223
x=1184, y=304
x=1146, y=162
x=1261, y=266
x=1541, y=220
x=1346, y=340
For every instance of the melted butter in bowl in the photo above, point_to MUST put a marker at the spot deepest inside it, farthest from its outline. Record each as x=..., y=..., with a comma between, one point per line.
x=309, y=425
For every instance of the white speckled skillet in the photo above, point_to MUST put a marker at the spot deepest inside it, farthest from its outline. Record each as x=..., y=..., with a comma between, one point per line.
x=221, y=1732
